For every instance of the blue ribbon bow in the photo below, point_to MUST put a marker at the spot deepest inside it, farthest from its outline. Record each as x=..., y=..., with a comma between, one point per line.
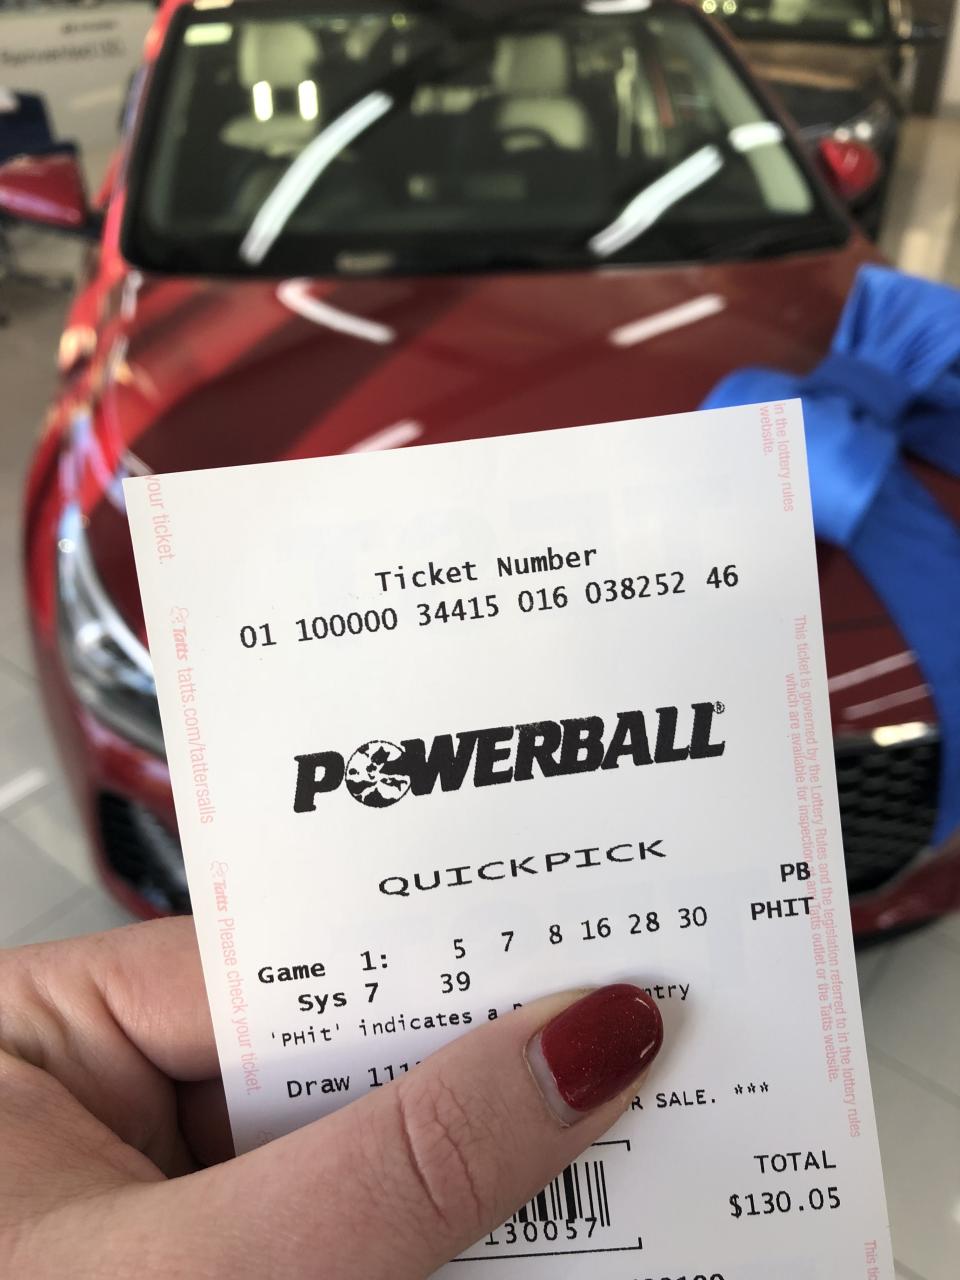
x=891, y=385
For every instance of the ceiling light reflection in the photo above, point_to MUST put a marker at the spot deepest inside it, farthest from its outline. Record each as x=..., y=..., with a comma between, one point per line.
x=394, y=437
x=308, y=100
x=860, y=675
x=629, y=335
x=296, y=295
x=616, y=6
x=758, y=133
x=262, y=101
x=876, y=705
x=129, y=294
x=208, y=33
x=892, y=735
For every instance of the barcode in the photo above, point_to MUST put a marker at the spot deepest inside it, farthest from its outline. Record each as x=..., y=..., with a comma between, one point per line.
x=578, y=1195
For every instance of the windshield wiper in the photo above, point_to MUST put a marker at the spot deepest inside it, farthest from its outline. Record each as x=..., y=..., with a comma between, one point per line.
x=654, y=200
x=383, y=96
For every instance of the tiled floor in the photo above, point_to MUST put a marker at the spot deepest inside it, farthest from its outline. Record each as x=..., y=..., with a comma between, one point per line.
x=49, y=889
x=910, y=988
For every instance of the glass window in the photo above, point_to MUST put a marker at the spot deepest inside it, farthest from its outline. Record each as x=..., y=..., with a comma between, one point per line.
x=311, y=141
x=856, y=21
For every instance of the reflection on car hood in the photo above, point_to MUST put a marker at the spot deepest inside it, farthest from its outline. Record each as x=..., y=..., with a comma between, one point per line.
x=219, y=373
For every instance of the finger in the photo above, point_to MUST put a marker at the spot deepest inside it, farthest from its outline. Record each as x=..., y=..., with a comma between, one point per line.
x=399, y=1183
x=147, y=977
x=151, y=978
x=113, y=1017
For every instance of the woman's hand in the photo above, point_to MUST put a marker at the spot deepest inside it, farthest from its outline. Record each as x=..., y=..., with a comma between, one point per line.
x=114, y=1134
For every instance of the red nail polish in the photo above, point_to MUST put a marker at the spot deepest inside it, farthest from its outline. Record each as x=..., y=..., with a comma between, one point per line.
x=598, y=1046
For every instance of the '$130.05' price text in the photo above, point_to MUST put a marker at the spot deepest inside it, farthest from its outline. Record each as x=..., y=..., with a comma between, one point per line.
x=768, y=1202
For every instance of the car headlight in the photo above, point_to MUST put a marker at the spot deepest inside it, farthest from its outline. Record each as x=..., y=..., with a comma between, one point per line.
x=872, y=126
x=109, y=669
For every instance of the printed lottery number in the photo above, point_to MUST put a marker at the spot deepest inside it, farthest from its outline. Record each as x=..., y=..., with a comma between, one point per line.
x=450, y=982
x=641, y=587
x=727, y=577
x=473, y=609
x=597, y=929
x=338, y=625
x=379, y=1076
x=637, y=922
x=250, y=637
x=692, y=916
x=542, y=600
x=541, y=1232
x=333, y=626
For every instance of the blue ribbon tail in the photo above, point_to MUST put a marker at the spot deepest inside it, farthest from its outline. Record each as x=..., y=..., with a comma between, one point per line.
x=934, y=435
x=890, y=385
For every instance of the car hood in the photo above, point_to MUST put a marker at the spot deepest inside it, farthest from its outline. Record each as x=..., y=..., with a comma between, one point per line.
x=201, y=373
x=821, y=84
x=204, y=373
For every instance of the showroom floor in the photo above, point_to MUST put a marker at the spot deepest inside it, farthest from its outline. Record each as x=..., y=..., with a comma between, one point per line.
x=911, y=988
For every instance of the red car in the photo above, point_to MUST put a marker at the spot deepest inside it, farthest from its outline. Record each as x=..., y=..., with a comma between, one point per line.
x=337, y=228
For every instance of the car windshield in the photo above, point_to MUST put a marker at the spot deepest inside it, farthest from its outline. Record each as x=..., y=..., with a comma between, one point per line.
x=284, y=140
x=839, y=21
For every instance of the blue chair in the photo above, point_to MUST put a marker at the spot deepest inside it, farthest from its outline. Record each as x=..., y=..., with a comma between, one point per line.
x=25, y=128
x=25, y=131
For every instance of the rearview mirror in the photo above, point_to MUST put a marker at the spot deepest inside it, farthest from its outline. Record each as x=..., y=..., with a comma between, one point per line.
x=48, y=190
x=852, y=168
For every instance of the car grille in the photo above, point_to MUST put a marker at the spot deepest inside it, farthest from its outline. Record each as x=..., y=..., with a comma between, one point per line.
x=141, y=850
x=888, y=806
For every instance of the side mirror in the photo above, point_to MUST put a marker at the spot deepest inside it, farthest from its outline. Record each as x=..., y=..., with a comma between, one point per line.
x=48, y=190
x=852, y=168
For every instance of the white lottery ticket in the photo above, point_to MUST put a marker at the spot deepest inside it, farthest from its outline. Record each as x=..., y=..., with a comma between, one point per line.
x=453, y=727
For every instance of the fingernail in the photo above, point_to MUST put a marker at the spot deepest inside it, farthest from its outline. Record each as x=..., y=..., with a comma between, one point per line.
x=595, y=1049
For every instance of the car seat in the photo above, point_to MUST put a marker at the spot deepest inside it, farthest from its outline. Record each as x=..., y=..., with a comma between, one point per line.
x=532, y=77
x=277, y=64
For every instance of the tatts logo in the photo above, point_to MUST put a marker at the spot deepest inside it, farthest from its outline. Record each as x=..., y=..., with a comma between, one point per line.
x=379, y=773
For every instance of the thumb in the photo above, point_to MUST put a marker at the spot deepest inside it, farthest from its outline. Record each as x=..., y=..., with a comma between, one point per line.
x=401, y=1182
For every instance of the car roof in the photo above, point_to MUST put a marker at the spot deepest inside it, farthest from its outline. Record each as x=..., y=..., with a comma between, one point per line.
x=482, y=8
